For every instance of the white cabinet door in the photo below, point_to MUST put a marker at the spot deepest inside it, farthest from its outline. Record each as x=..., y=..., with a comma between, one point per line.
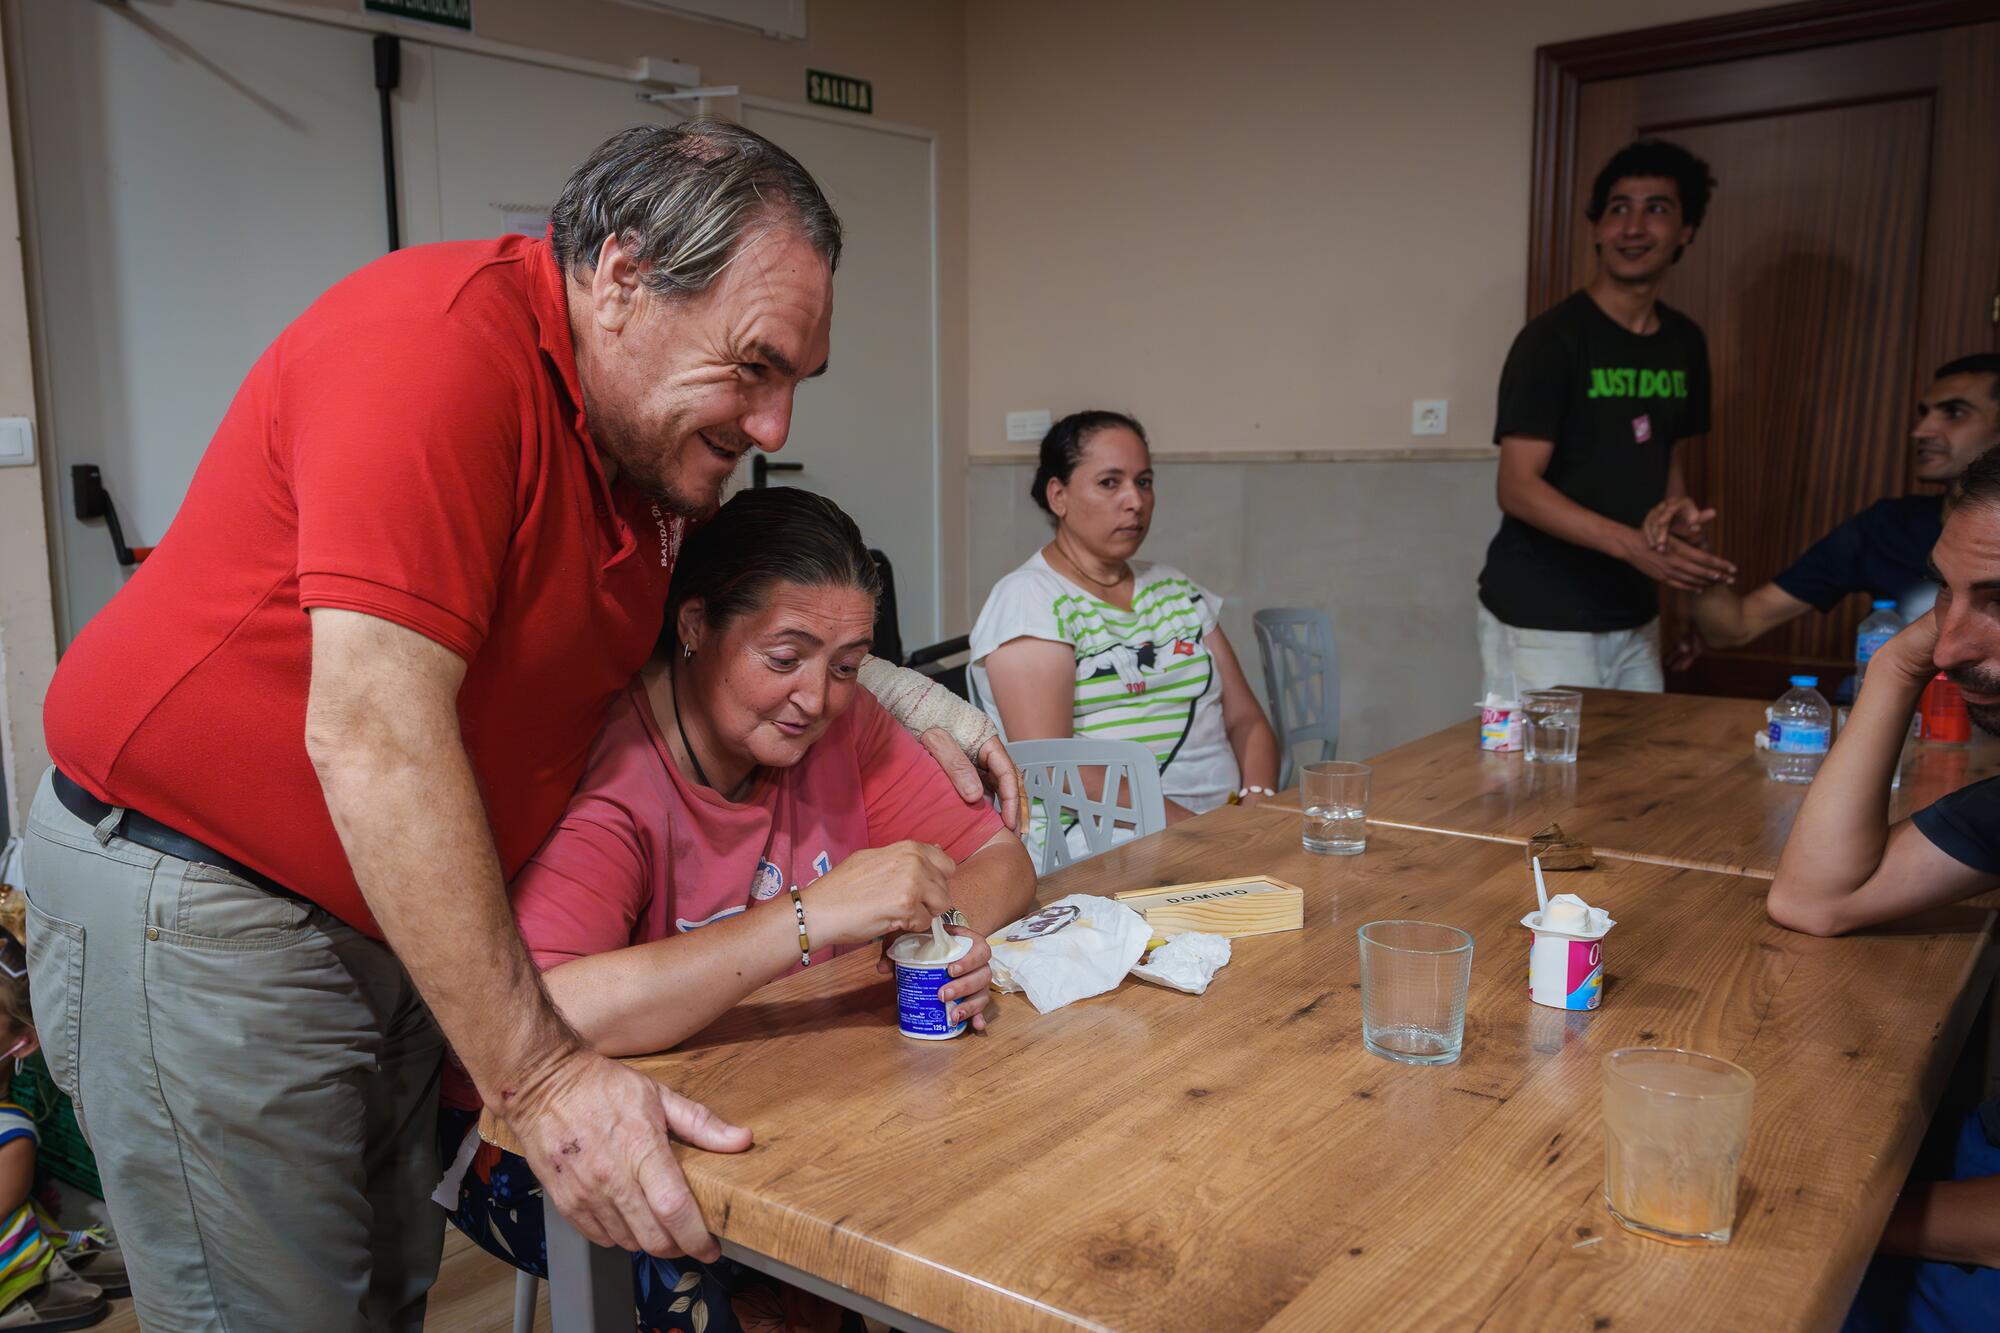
x=198, y=174
x=867, y=433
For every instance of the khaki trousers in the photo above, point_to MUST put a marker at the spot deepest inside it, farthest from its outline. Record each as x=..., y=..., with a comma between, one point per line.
x=257, y=1079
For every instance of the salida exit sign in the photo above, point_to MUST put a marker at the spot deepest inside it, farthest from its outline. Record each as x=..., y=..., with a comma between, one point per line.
x=849, y=94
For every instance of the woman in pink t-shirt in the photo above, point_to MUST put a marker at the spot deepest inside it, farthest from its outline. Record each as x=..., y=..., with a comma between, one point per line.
x=743, y=781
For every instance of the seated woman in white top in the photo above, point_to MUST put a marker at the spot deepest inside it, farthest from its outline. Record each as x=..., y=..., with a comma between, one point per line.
x=1085, y=640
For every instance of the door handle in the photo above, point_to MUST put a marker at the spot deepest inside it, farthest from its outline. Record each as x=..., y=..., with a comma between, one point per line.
x=761, y=468
x=94, y=501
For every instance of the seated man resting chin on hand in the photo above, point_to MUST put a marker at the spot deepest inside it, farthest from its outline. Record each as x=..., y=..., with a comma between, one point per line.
x=1846, y=867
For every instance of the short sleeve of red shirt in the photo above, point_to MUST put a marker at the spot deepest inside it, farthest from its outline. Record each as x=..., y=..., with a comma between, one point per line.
x=405, y=488
x=906, y=794
x=584, y=891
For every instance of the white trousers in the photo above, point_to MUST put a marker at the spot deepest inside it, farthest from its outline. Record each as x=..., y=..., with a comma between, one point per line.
x=1513, y=659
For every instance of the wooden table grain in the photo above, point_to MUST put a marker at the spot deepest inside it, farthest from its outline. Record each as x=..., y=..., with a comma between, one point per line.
x=1666, y=778
x=1152, y=1160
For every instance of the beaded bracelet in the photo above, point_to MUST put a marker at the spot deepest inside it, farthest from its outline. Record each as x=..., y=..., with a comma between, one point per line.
x=1254, y=791
x=805, y=944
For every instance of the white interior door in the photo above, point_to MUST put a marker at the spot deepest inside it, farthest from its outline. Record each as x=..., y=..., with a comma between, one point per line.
x=197, y=175
x=507, y=137
x=867, y=433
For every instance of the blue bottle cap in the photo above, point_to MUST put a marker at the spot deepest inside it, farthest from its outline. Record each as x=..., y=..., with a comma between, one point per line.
x=1883, y=603
x=1805, y=682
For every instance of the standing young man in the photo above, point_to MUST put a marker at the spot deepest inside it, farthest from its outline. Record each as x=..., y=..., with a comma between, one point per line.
x=1595, y=394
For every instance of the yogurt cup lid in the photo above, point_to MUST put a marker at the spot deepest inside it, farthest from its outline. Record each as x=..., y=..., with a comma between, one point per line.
x=1599, y=926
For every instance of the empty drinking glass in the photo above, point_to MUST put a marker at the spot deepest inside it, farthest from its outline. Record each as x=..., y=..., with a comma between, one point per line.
x=1550, y=723
x=1413, y=980
x=1674, y=1127
x=1335, y=797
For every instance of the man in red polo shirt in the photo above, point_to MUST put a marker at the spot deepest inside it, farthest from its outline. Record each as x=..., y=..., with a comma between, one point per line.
x=348, y=696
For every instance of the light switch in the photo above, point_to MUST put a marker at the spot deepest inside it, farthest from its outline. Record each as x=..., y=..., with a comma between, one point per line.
x=17, y=442
x=1027, y=427
x=1428, y=416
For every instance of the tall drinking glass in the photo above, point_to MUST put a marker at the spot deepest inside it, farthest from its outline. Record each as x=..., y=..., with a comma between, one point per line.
x=1335, y=797
x=1413, y=980
x=1551, y=721
x=1674, y=1127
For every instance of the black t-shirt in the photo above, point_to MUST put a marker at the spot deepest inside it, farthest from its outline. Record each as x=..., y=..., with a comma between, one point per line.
x=1884, y=550
x=1613, y=403
x=1966, y=825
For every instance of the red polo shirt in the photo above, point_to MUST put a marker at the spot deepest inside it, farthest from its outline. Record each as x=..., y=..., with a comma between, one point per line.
x=412, y=447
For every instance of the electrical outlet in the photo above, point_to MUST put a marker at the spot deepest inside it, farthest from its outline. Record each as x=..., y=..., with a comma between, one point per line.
x=1428, y=416
x=1027, y=427
x=17, y=442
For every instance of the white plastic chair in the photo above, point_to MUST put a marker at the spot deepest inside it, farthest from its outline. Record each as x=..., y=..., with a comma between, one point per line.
x=1052, y=775
x=1301, y=678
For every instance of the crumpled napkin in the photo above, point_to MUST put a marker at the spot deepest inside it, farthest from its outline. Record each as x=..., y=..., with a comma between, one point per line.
x=1074, y=948
x=1186, y=962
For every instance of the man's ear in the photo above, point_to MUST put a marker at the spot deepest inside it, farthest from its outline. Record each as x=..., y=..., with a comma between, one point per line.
x=615, y=286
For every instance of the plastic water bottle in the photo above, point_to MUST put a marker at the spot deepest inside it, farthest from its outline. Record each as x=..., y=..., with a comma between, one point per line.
x=1880, y=627
x=1800, y=733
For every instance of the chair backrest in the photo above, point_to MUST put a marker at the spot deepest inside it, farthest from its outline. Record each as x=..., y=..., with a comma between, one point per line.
x=888, y=630
x=1052, y=777
x=1301, y=678
x=944, y=663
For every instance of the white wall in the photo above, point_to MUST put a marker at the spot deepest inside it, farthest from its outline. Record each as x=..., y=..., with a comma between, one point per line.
x=1388, y=549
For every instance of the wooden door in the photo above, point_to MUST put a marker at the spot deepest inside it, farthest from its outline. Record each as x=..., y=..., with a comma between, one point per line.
x=1852, y=246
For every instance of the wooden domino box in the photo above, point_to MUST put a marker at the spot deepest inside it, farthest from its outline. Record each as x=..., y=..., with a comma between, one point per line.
x=1253, y=905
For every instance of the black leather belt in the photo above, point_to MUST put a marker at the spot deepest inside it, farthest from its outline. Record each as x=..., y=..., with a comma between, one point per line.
x=135, y=827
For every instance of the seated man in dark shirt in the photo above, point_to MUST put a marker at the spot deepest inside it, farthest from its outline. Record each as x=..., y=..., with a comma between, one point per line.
x=1883, y=549
x=1846, y=867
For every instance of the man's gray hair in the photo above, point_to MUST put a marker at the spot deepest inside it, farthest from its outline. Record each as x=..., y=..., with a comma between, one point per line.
x=682, y=201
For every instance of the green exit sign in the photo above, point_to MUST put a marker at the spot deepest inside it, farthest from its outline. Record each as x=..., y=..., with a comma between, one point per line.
x=824, y=89
x=451, y=13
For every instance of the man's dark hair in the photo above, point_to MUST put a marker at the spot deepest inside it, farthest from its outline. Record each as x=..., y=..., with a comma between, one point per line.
x=1979, y=484
x=1656, y=157
x=762, y=537
x=1063, y=446
x=1979, y=363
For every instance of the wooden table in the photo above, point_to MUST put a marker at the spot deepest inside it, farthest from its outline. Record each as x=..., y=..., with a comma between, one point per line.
x=1153, y=1160
x=1667, y=778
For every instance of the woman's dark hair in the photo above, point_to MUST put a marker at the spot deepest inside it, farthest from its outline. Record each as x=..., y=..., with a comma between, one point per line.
x=762, y=537
x=1656, y=157
x=1063, y=446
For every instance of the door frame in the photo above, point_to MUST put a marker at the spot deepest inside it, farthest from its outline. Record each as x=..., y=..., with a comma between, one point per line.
x=929, y=139
x=1563, y=68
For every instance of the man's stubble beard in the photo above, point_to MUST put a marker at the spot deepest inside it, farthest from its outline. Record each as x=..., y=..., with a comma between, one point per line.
x=656, y=475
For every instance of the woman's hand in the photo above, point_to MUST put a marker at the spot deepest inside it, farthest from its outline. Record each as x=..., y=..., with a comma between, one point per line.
x=972, y=982
x=879, y=891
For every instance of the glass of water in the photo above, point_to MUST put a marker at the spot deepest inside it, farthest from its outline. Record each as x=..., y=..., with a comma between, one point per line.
x=1550, y=723
x=1675, y=1123
x=1335, y=797
x=1414, y=976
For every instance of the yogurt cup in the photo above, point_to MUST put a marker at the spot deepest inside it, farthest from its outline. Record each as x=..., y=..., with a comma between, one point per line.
x=1566, y=966
x=1499, y=725
x=919, y=1011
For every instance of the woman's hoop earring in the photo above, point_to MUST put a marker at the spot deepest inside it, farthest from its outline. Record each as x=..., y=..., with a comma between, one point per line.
x=687, y=650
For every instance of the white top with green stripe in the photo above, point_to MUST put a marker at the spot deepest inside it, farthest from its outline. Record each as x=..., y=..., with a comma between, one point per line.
x=1141, y=675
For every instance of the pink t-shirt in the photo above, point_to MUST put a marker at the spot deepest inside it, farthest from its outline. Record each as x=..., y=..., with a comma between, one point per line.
x=642, y=853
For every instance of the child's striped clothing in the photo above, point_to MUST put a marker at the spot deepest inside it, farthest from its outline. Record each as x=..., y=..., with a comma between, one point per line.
x=25, y=1248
